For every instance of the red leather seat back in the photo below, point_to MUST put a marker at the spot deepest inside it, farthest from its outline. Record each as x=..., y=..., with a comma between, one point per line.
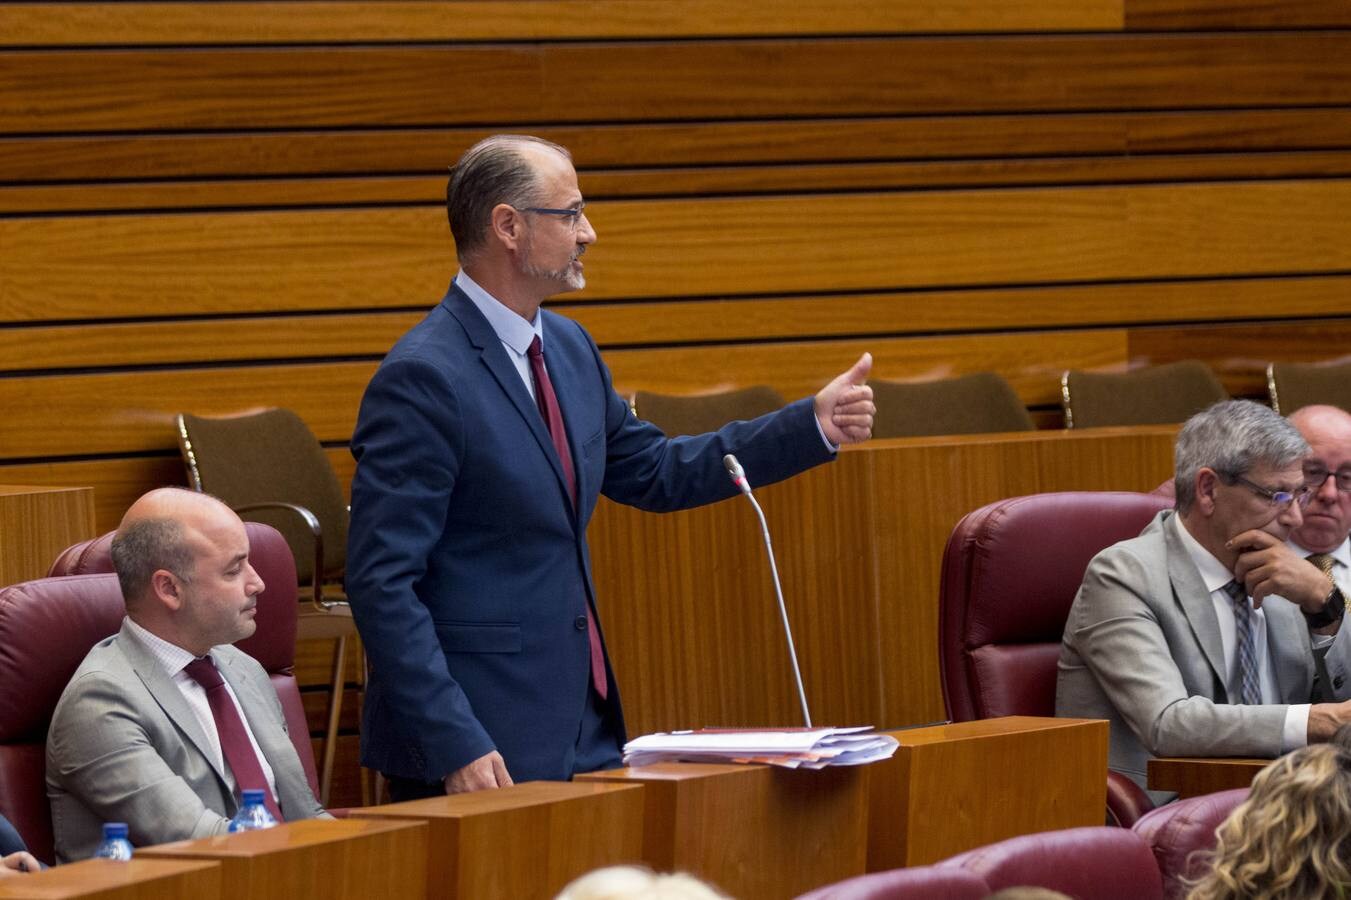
x=46, y=629
x=1011, y=570
x=273, y=643
x=1101, y=862
x=1178, y=830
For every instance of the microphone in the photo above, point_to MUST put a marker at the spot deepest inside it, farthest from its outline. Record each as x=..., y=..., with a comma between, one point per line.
x=738, y=475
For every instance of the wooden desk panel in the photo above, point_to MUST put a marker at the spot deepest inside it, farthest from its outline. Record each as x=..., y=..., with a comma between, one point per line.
x=525, y=841
x=37, y=523
x=753, y=831
x=342, y=859
x=1195, y=776
x=950, y=788
x=688, y=607
x=139, y=879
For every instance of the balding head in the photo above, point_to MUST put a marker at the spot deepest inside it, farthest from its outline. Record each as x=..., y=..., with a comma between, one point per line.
x=1327, y=518
x=503, y=168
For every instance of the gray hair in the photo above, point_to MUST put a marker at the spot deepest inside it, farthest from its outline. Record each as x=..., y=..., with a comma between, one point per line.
x=143, y=548
x=1231, y=437
x=492, y=171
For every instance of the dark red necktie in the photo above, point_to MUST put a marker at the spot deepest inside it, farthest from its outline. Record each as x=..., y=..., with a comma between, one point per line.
x=549, y=410
x=234, y=740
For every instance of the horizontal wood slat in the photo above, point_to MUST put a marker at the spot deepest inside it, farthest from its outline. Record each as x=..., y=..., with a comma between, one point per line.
x=429, y=151
x=121, y=90
x=41, y=24
x=124, y=413
x=675, y=322
x=1182, y=15
x=703, y=181
x=103, y=267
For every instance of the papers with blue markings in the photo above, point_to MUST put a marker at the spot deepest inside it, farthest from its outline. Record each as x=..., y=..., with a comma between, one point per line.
x=794, y=748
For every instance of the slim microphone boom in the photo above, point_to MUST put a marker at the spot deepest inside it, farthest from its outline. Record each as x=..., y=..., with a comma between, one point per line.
x=739, y=479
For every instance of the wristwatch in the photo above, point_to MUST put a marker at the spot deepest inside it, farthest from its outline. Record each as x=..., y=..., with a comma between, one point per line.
x=1332, y=610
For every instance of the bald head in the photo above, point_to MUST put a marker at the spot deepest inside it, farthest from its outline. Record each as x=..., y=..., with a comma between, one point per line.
x=158, y=532
x=1327, y=518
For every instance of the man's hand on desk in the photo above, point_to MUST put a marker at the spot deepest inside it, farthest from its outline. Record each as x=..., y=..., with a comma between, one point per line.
x=17, y=863
x=488, y=771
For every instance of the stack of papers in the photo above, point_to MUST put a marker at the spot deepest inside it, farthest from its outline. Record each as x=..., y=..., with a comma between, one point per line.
x=793, y=748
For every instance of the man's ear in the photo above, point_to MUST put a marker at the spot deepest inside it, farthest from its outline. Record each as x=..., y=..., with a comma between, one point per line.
x=507, y=226
x=167, y=589
x=1206, y=481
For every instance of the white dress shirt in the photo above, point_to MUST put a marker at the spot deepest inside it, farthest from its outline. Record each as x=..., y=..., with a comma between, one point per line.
x=1295, y=734
x=173, y=658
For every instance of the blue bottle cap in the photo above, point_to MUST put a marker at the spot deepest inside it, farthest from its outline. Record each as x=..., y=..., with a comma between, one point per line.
x=114, y=830
x=251, y=796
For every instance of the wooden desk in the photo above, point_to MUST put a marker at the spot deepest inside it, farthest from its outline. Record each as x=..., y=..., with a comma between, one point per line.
x=754, y=831
x=1191, y=777
x=950, y=788
x=525, y=841
x=37, y=523
x=688, y=609
x=99, y=879
x=342, y=859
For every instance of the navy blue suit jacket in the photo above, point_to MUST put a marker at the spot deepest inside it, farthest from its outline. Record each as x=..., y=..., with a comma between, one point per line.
x=468, y=568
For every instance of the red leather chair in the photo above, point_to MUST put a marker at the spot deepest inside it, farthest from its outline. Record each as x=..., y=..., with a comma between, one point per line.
x=48, y=625
x=1102, y=863
x=1011, y=570
x=273, y=643
x=1181, y=833
x=918, y=883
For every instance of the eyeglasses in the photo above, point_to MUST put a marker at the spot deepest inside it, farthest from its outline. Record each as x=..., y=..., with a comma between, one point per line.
x=1317, y=476
x=571, y=216
x=1281, y=499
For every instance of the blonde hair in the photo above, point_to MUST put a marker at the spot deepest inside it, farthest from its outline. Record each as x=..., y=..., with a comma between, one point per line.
x=1292, y=837
x=637, y=883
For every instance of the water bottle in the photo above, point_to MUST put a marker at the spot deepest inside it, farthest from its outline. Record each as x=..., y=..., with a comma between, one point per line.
x=115, y=844
x=252, y=815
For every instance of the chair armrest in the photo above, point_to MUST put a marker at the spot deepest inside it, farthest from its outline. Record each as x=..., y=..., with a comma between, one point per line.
x=312, y=522
x=1126, y=800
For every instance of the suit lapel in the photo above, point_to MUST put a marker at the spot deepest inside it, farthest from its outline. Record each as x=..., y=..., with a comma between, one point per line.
x=170, y=699
x=1189, y=592
x=484, y=339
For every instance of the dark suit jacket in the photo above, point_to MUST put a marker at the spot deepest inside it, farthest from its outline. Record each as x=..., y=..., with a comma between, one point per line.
x=10, y=841
x=468, y=569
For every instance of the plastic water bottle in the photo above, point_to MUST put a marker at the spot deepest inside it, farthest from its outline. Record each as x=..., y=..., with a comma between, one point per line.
x=115, y=844
x=252, y=815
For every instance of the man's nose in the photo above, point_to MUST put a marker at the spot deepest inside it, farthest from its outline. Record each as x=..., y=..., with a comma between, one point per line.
x=585, y=233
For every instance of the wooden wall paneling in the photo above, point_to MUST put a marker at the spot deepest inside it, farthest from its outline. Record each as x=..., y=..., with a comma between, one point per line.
x=665, y=324
x=428, y=151
x=97, y=267
x=74, y=90
x=1187, y=15
x=677, y=182
x=116, y=482
x=40, y=24
x=1239, y=353
x=133, y=412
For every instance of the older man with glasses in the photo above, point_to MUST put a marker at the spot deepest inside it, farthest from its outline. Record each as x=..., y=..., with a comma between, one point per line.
x=1198, y=637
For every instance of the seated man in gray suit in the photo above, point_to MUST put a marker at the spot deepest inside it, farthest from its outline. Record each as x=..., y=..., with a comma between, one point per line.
x=164, y=722
x=1197, y=637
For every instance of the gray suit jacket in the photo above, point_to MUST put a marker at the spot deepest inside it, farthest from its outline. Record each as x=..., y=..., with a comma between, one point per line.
x=1142, y=649
x=124, y=746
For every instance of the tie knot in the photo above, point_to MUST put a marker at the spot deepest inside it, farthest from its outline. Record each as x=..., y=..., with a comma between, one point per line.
x=203, y=671
x=535, y=350
x=1236, y=591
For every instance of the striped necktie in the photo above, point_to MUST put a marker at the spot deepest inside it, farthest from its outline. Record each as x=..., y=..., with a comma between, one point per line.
x=1324, y=561
x=1249, y=685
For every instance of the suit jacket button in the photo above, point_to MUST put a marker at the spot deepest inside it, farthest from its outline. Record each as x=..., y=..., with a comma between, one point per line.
x=580, y=624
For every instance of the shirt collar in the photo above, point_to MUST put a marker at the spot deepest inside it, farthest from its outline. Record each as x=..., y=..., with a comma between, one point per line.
x=171, y=656
x=509, y=327
x=1342, y=553
x=1213, y=572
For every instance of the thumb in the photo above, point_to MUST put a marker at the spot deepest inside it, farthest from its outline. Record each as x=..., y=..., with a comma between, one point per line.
x=858, y=374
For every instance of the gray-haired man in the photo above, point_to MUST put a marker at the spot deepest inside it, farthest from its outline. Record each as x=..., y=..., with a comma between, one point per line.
x=1197, y=637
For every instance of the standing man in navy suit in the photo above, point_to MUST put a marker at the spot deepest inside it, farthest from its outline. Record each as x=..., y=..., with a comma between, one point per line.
x=482, y=444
